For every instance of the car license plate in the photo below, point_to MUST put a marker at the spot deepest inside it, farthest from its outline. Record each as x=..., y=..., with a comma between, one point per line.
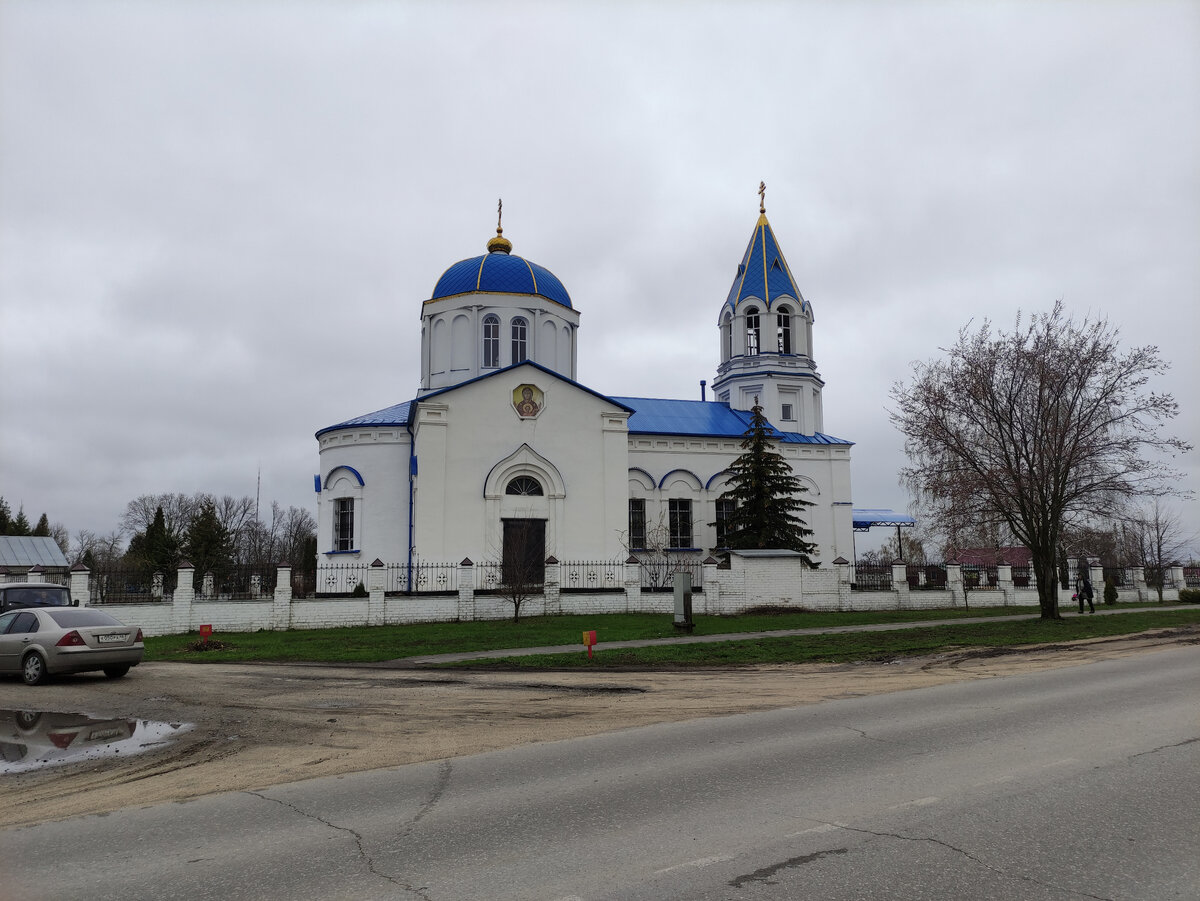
x=112, y=639
x=105, y=734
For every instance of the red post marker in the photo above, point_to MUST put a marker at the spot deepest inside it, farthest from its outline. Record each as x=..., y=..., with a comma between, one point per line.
x=206, y=632
x=589, y=639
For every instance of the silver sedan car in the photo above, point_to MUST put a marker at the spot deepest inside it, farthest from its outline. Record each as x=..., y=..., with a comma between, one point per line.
x=41, y=641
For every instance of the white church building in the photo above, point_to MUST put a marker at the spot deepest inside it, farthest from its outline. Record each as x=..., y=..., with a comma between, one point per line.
x=503, y=454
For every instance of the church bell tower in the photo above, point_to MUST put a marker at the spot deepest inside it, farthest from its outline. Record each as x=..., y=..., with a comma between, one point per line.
x=766, y=338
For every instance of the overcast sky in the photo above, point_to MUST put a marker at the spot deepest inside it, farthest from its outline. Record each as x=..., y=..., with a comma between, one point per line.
x=218, y=220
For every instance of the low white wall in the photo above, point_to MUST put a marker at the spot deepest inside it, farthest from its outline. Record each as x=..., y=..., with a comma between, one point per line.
x=748, y=582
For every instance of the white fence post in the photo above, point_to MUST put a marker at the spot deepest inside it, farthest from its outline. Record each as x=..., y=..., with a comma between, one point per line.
x=900, y=584
x=551, y=587
x=954, y=582
x=1177, y=578
x=185, y=593
x=633, y=585
x=79, y=584
x=466, y=590
x=281, y=606
x=376, y=577
x=1004, y=582
x=712, y=588
x=845, y=573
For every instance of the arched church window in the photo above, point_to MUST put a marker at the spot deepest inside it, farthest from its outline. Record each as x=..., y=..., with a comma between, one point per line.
x=520, y=338
x=491, y=341
x=752, y=332
x=727, y=338
x=524, y=486
x=783, y=330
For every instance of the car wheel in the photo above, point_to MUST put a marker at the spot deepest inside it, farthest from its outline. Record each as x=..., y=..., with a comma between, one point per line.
x=115, y=672
x=33, y=669
x=27, y=719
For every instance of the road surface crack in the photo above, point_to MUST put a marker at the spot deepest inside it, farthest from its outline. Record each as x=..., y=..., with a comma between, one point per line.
x=1178, y=744
x=764, y=875
x=358, y=841
x=969, y=856
x=439, y=789
x=882, y=741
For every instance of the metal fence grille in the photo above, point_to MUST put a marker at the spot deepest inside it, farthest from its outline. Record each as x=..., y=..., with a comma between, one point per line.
x=427, y=578
x=980, y=577
x=656, y=572
x=872, y=577
x=926, y=577
x=340, y=579
x=245, y=582
x=116, y=586
x=594, y=575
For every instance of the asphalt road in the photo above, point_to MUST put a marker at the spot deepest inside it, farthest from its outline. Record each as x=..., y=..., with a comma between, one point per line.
x=1064, y=784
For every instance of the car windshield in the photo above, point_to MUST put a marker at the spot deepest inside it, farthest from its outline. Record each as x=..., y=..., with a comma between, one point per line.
x=73, y=617
x=48, y=596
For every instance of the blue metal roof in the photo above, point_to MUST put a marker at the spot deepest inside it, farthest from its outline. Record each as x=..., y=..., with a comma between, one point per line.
x=393, y=415
x=501, y=273
x=864, y=518
x=649, y=415
x=660, y=416
x=763, y=272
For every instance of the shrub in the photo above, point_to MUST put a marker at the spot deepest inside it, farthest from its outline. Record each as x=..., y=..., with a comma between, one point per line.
x=360, y=591
x=1110, y=591
x=1189, y=595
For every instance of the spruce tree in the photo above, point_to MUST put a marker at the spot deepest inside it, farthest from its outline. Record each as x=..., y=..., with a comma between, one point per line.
x=20, y=525
x=208, y=543
x=767, y=497
x=42, y=529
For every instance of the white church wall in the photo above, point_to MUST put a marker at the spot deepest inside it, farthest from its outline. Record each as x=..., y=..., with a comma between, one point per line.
x=381, y=457
x=579, y=435
x=454, y=330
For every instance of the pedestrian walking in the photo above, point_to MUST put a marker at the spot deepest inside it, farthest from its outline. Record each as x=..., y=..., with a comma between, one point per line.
x=1084, y=593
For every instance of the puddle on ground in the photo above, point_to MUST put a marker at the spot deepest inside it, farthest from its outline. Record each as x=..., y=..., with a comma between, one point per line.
x=30, y=739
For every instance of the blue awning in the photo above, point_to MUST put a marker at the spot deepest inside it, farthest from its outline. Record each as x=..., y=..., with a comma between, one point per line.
x=865, y=518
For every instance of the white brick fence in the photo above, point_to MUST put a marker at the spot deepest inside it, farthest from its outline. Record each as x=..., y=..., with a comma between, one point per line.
x=753, y=579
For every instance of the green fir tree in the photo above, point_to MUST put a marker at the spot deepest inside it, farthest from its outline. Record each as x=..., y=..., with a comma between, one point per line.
x=20, y=525
x=209, y=545
x=767, y=497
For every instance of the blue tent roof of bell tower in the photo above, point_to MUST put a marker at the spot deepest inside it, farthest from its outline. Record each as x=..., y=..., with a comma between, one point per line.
x=763, y=272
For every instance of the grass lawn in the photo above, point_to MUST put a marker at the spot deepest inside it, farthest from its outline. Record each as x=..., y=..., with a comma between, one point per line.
x=844, y=647
x=373, y=644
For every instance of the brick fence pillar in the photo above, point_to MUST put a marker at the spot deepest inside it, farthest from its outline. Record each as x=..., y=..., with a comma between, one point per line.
x=466, y=591
x=80, y=591
x=281, y=602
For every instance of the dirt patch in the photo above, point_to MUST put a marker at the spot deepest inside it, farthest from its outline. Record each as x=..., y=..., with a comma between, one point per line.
x=256, y=726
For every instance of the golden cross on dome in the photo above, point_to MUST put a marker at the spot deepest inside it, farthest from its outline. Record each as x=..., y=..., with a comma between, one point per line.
x=762, y=196
x=499, y=216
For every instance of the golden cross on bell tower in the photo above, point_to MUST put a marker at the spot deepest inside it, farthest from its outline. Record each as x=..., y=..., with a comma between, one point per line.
x=762, y=197
x=499, y=216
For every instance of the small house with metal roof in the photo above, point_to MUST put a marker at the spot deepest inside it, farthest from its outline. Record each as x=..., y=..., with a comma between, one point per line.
x=21, y=555
x=503, y=453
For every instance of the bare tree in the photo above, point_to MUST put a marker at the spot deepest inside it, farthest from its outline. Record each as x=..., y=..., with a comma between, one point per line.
x=178, y=512
x=1047, y=426
x=1156, y=541
x=523, y=570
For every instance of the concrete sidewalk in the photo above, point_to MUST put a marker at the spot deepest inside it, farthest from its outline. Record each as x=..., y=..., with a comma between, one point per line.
x=432, y=659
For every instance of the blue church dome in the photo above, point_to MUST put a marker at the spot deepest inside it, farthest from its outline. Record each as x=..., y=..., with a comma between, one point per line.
x=502, y=272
